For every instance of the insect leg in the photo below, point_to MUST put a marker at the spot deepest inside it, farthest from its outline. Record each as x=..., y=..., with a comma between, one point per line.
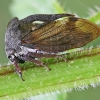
x=37, y=62
x=17, y=68
x=40, y=55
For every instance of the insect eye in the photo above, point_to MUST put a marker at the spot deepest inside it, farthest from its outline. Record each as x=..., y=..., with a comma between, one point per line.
x=11, y=57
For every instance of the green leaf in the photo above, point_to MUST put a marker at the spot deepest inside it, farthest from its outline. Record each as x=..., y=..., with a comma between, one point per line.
x=95, y=18
x=83, y=69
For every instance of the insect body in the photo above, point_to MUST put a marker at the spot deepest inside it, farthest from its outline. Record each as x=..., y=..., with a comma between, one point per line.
x=26, y=40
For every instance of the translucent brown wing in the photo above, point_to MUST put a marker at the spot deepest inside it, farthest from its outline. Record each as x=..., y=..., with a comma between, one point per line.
x=61, y=35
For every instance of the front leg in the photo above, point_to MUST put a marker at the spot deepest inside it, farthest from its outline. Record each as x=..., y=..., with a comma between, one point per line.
x=17, y=68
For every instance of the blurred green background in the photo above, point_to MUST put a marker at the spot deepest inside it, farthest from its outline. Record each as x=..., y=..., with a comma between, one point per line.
x=23, y=8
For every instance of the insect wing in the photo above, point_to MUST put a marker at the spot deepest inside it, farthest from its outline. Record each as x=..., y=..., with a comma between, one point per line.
x=61, y=35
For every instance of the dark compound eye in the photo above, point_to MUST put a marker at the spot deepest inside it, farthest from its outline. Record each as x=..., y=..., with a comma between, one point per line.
x=11, y=57
x=18, y=59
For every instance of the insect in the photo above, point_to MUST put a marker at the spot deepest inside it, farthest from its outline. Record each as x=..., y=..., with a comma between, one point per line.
x=28, y=39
